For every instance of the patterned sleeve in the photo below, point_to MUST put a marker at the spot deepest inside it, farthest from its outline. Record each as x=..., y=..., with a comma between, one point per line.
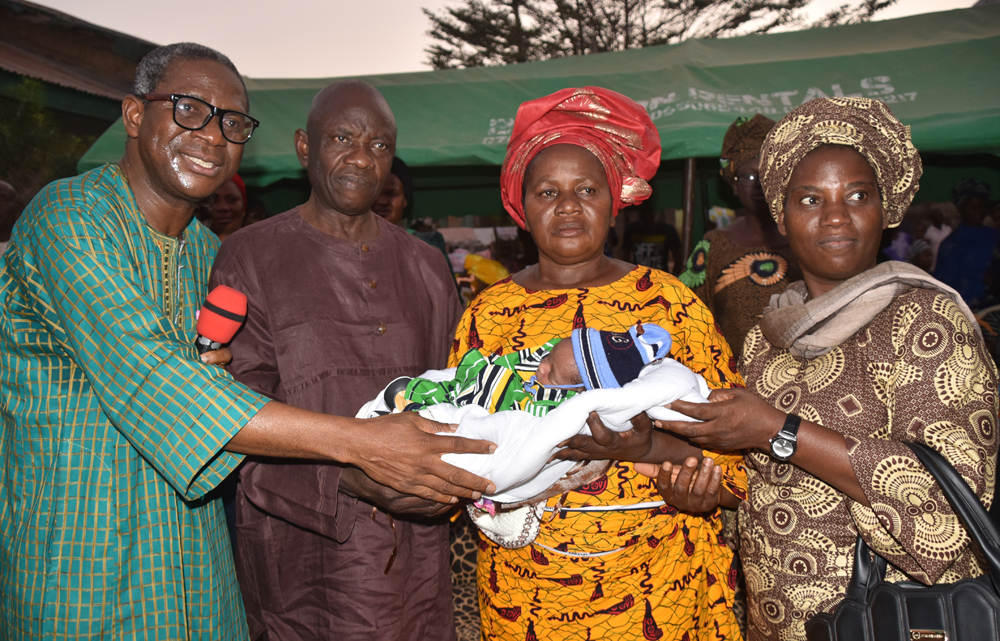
x=465, y=335
x=176, y=411
x=940, y=388
x=428, y=392
x=696, y=274
x=699, y=345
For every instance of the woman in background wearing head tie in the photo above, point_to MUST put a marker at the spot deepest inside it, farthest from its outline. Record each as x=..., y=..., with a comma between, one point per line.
x=736, y=269
x=229, y=208
x=612, y=561
x=845, y=367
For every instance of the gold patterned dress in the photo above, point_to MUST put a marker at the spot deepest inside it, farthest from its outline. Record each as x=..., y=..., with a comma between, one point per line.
x=641, y=570
x=916, y=372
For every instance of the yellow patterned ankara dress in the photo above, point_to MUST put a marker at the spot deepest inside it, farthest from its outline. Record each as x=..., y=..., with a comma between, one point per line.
x=613, y=562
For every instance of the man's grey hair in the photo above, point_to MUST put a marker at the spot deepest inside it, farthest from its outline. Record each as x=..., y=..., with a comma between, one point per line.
x=155, y=64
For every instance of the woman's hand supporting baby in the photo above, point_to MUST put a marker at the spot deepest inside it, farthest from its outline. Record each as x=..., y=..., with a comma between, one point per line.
x=636, y=444
x=734, y=419
x=737, y=419
x=681, y=480
x=690, y=487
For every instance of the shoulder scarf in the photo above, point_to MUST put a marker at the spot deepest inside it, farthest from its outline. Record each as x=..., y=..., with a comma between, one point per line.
x=812, y=328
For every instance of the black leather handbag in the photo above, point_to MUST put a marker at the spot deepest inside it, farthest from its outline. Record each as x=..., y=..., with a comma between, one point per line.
x=874, y=610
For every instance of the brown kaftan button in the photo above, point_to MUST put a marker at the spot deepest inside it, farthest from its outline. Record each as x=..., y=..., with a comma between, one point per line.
x=382, y=328
x=373, y=284
x=364, y=248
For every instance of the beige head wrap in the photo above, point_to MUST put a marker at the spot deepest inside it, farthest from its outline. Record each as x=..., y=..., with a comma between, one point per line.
x=864, y=124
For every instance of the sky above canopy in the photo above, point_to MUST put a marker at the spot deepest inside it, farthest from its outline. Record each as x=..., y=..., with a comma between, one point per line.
x=318, y=38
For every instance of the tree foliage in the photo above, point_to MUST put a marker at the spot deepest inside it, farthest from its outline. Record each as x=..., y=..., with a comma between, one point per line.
x=496, y=32
x=34, y=151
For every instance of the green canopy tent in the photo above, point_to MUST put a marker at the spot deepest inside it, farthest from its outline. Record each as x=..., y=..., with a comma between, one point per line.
x=939, y=73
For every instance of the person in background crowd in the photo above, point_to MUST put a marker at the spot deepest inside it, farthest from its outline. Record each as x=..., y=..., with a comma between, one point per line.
x=341, y=301
x=651, y=242
x=10, y=211
x=920, y=254
x=895, y=245
x=989, y=321
x=256, y=211
x=229, y=208
x=919, y=224
x=602, y=567
x=422, y=229
x=967, y=252
x=846, y=367
x=114, y=433
x=395, y=202
x=937, y=231
x=736, y=270
x=203, y=210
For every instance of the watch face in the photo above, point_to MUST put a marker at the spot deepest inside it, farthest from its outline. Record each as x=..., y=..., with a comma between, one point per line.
x=783, y=448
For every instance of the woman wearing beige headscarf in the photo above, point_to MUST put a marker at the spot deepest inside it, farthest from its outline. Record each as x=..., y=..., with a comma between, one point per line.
x=844, y=368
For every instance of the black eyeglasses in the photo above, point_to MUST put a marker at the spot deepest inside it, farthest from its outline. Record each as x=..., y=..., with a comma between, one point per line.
x=193, y=114
x=748, y=180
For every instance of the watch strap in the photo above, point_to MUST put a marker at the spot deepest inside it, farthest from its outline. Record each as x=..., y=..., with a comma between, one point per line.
x=785, y=442
x=791, y=427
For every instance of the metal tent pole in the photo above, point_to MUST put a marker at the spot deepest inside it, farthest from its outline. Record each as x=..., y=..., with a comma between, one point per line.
x=689, y=175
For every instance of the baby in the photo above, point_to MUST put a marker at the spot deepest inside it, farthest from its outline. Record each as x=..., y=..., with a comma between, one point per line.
x=530, y=401
x=538, y=380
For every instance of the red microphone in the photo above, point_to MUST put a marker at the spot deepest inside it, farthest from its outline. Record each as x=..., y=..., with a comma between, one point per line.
x=220, y=317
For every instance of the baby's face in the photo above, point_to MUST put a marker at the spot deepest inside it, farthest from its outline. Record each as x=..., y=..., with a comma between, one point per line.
x=559, y=367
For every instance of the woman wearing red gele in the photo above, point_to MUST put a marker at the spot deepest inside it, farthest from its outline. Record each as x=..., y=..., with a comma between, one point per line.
x=613, y=560
x=846, y=367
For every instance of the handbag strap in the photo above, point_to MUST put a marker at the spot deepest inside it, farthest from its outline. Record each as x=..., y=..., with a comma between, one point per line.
x=966, y=506
x=868, y=572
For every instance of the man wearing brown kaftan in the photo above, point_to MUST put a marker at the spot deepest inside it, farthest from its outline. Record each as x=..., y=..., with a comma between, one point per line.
x=340, y=303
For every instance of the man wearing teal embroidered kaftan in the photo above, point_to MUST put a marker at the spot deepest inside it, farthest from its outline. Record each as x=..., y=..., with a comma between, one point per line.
x=112, y=432
x=120, y=428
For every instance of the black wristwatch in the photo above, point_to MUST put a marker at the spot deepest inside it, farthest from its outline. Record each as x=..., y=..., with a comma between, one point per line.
x=784, y=443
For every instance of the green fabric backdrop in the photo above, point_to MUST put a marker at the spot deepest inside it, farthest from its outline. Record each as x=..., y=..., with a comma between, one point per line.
x=939, y=72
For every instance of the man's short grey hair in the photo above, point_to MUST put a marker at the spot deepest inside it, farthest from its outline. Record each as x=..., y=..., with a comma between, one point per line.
x=154, y=65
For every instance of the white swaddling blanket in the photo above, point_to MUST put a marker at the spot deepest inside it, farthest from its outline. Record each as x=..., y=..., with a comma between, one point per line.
x=519, y=467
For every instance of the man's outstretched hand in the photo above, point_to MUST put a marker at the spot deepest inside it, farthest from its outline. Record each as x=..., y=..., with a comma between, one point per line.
x=400, y=451
x=403, y=451
x=356, y=483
